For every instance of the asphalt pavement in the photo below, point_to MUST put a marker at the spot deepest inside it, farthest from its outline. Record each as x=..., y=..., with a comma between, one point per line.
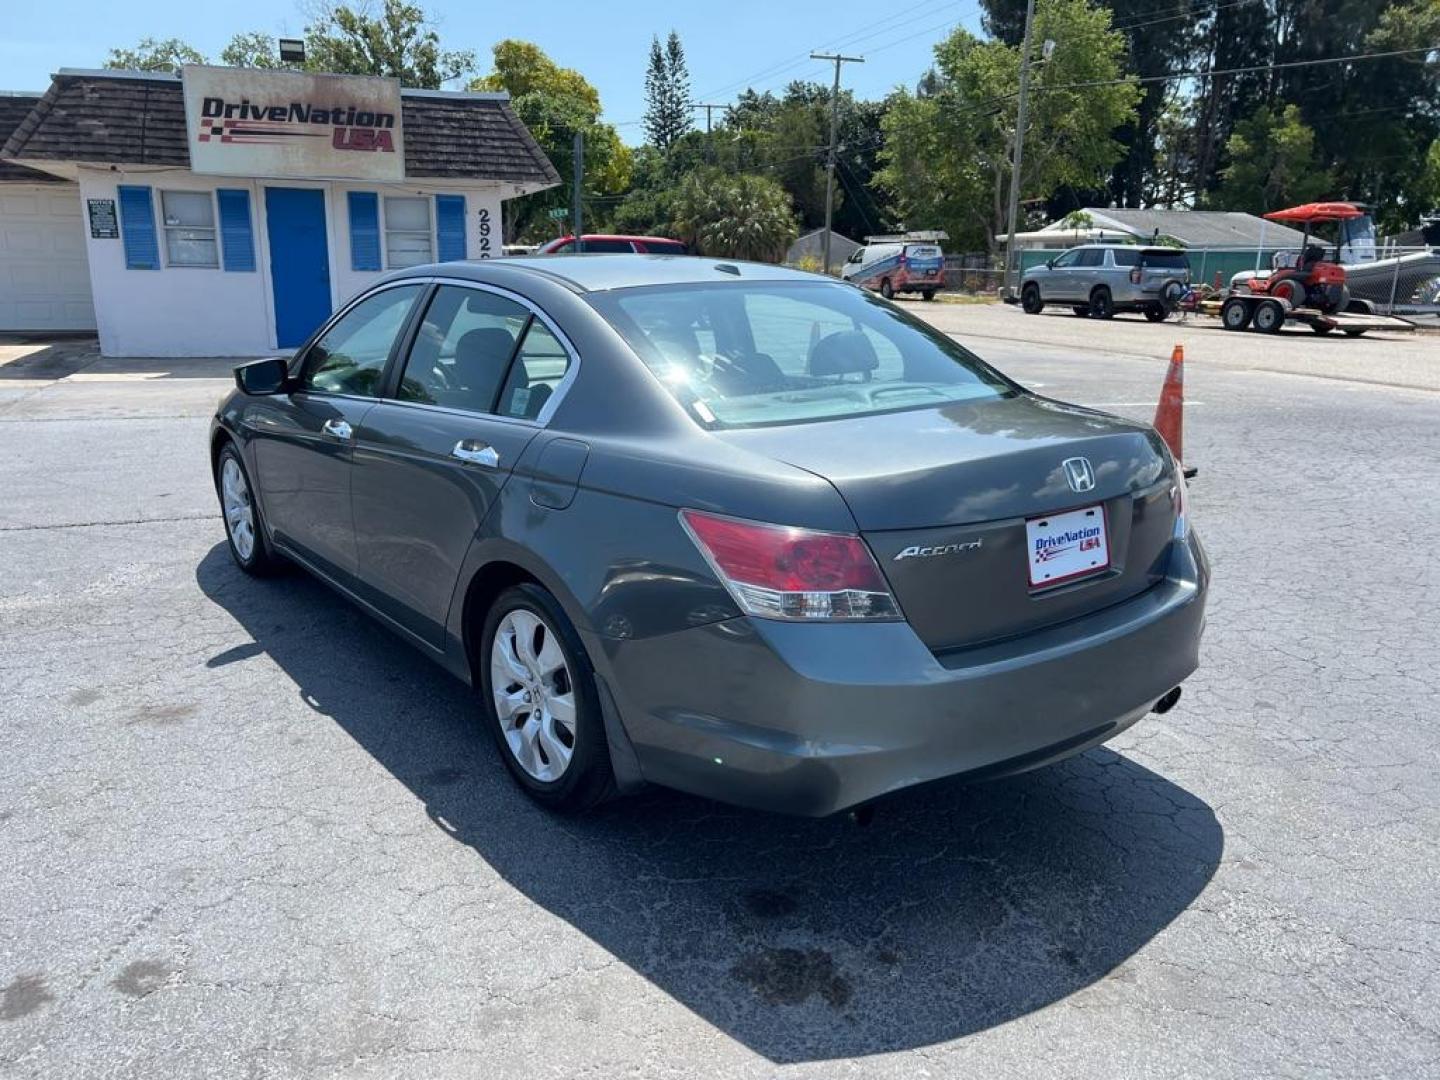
x=247, y=832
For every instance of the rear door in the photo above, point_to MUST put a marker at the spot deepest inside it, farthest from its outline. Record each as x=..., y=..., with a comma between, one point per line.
x=1088, y=272
x=432, y=458
x=924, y=264
x=302, y=441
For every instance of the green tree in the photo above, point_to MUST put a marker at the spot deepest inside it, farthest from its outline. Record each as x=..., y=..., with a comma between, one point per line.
x=555, y=103
x=1271, y=163
x=667, y=93
x=151, y=54
x=401, y=43
x=734, y=216
x=253, y=49
x=947, y=148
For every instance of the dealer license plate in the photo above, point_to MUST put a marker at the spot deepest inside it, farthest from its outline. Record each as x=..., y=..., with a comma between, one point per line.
x=1068, y=545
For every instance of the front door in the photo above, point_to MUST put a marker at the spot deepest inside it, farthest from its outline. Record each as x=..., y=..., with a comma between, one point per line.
x=299, y=262
x=431, y=461
x=304, y=440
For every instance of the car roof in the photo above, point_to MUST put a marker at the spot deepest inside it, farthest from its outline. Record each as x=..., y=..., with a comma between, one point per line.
x=601, y=272
x=622, y=236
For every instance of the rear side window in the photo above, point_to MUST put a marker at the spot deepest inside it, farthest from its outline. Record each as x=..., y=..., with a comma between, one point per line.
x=1166, y=260
x=1091, y=257
x=462, y=349
x=535, y=375
x=350, y=357
x=1125, y=256
x=608, y=247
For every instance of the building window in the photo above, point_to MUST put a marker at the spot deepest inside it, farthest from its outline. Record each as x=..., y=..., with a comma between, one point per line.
x=407, y=232
x=189, y=228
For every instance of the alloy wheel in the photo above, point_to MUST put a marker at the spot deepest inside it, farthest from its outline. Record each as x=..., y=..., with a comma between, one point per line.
x=239, y=513
x=534, y=694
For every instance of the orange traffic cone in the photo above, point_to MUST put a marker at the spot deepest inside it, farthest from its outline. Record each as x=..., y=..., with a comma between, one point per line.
x=1170, y=413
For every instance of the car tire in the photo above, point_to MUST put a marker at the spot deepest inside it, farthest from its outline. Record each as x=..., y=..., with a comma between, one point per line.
x=927, y=294
x=1235, y=314
x=1269, y=316
x=528, y=640
x=244, y=527
x=886, y=289
x=1322, y=328
x=1102, y=306
x=1030, y=301
x=1083, y=310
x=1156, y=312
x=1354, y=333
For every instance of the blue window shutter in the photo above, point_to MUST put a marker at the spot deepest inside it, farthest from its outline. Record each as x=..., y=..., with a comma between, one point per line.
x=137, y=228
x=235, y=231
x=450, y=226
x=364, y=230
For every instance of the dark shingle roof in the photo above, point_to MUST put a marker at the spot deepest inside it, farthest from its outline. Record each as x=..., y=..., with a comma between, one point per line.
x=137, y=118
x=15, y=107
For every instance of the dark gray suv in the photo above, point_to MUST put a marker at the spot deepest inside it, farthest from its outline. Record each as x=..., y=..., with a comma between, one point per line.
x=1098, y=280
x=731, y=528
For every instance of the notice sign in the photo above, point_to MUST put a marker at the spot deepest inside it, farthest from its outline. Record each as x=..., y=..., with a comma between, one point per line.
x=244, y=122
x=103, y=225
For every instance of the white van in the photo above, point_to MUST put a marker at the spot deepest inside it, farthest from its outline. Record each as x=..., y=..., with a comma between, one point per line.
x=898, y=264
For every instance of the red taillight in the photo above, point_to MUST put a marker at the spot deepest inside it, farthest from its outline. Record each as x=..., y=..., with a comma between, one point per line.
x=1135, y=276
x=781, y=572
x=903, y=260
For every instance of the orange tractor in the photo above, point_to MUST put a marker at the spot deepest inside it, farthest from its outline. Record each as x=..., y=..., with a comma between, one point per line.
x=1312, y=290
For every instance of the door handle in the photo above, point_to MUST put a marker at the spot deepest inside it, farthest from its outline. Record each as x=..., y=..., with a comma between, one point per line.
x=476, y=453
x=338, y=428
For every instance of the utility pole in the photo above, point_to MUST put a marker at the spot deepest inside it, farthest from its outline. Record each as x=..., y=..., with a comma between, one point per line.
x=1019, y=156
x=834, y=129
x=709, y=142
x=578, y=153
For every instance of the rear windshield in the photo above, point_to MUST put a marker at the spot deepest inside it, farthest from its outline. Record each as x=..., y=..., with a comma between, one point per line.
x=665, y=247
x=922, y=251
x=1167, y=260
x=747, y=355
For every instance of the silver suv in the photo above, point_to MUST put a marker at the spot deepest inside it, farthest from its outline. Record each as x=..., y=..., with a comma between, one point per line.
x=1100, y=279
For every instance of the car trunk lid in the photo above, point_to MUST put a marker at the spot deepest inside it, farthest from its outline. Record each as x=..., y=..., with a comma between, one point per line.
x=942, y=496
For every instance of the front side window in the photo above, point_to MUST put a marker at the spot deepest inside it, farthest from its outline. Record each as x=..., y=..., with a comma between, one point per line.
x=407, y=231
x=1068, y=259
x=462, y=349
x=189, y=218
x=349, y=358
x=740, y=355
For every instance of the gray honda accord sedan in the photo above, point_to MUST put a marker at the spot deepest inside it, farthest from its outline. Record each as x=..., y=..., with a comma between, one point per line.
x=734, y=529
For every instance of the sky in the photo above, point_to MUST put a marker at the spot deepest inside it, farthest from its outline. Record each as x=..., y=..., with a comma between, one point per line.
x=729, y=45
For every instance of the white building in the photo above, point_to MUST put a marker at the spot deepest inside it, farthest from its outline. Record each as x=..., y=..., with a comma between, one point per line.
x=228, y=213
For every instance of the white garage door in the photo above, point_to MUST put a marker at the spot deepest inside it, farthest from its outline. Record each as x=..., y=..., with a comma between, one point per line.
x=44, y=278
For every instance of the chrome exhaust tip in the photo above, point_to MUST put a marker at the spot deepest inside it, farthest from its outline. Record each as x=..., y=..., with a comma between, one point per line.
x=1167, y=702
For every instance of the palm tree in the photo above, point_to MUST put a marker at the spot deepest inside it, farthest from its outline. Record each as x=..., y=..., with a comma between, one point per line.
x=735, y=216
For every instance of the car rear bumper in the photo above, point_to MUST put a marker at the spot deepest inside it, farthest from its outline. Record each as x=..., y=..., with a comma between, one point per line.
x=813, y=719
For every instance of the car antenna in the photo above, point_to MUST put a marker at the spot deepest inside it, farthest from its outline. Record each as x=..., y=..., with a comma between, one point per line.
x=728, y=268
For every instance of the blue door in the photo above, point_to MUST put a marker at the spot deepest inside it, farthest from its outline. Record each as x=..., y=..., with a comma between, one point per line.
x=299, y=262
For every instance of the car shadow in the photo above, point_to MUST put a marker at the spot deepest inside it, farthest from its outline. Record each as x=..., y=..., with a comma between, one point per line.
x=959, y=908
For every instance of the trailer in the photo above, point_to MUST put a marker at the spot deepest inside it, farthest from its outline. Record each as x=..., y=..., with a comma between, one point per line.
x=1267, y=314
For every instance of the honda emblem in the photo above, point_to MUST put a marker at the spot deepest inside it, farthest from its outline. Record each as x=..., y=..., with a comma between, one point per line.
x=1079, y=473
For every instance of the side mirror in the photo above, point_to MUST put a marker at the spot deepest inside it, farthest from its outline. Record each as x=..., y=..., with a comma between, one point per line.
x=262, y=377
x=1049, y=264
